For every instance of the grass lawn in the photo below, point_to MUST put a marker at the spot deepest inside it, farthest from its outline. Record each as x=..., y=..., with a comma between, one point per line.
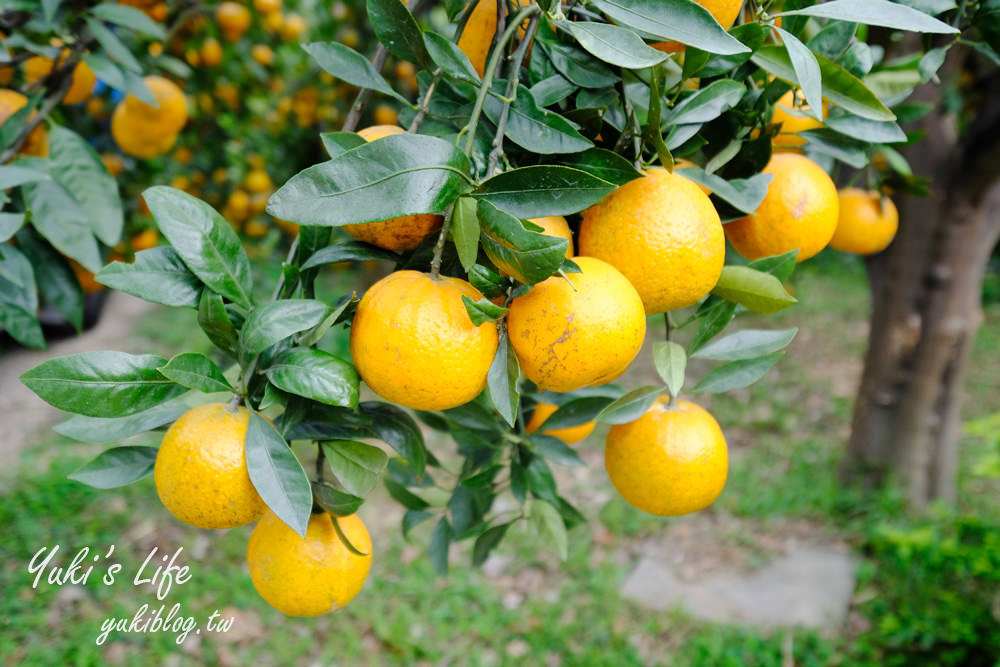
x=786, y=436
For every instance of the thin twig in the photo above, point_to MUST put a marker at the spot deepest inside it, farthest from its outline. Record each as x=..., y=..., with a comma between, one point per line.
x=424, y=103
x=439, y=246
x=513, y=78
x=365, y=94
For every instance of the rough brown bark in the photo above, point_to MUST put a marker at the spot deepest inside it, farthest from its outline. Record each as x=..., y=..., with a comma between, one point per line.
x=926, y=306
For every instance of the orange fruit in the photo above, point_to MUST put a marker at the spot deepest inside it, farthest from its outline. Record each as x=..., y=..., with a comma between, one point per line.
x=233, y=20
x=399, y=234
x=145, y=131
x=793, y=120
x=201, y=472
x=267, y=6
x=293, y=27
x=262, y=54
x=579, y=331
x=724, y=11
x=274, y=22
x=310, y=576
x=413, y=343
x=80, y=87
x=37, y=143
x=85, y=277
x=385, y=115
x=144, y=240
x=113, y=163
x=480, y=28
x=211, y=52
x=258, y=181
x=570, y=435
x=867, y=223
x=663, y=233
x=800, y=211
x=670, y=461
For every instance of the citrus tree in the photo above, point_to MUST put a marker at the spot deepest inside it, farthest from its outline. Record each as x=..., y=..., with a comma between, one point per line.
x=563, y=174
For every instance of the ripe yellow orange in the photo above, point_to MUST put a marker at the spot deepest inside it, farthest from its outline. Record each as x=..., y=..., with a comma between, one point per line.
x=201, y=471
x=385, y=115
x=867, y=224
x=799, y=211
x=144, y=240
x=238, y=206
x=85, y=277
x=274, y=22
x=399, y=234
x=258, y=181
x=556, y=225
x=413, y=343
x=293, y=27
x=663, y=233
x=267, y=6
x=477, y=36
x=113, y=162
x=670, y=461
x=311, y=576
x=145, y=131
x=183, y=155
x=793, y=120
x=570, y=435
x=233, y=19
x=37, y=143
x=262, y=54
x=211, y=52
x=80, y=87
x=723, y=11
x=579, y=331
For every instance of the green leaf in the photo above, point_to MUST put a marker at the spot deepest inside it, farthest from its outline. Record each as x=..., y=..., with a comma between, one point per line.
x=577, y=66
x=157, y=274
x=413, y=518
x=9, y=224
x=528, y=256
x=754, y=290
x=631, y=406
x=102, y=384
x=679, y=20
x=357, y=466
x=317, y=375
x=19, y=298
x=12, y=176
x=116, y=467
x=278, y=320
x=396, y=29
x=862, y=129
x=336, y=143
x=315, y=335
x=113, y=75
x=215, y=322
x=535, y=129
x=548, y=524
x=602, y=163
x=335, y=501
x=876, y=13
x=807, y=72
x=348, y=65
x=575, y=412
x=737, y=374
x=111, y=429
x=56, y=281
x=465, y=231
x=487, y=542
x=745, y=194
x=343, y=538
x=277, y=474
x=747, y=344
x=113, y=46
x=439, y=546
x=451, y=59
x=57, y=216
x=398, y=175
x=542, y=190
x=396, y=428
x=670, y=361
x=714, y=319
x=129, y=17
x=836, y=145
x=204, y=240
x=931, y=62
x=348, y=251
x=482, y=310
x=404, y=496
x=780, y=266
x=554, y=449
x=553, y=89
x=503, y=376
x=708, y=103
x=196, y=371
x=839, y=86
x=612, y=44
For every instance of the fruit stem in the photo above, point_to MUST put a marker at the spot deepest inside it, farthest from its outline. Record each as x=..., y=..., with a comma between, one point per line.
x=439, y=246
x=513, y=77
x=234, y=402
x=490, y=72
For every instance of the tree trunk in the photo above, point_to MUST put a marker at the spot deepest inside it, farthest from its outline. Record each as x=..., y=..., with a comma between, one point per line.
x=926, y=291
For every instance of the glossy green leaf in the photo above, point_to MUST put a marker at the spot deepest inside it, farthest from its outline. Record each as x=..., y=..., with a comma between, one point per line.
x=807, y=72
x=278, y=320
x=404, y=496
x=602, y=163
x=315, y=335
x=317, y=375
x=754, y=290
x=336, y=143
x=737, y=374
x=396, y=29
x=196, y=371
x=552, y=89
x=862, y=129
x=483, y=310
x=502, y=379
x=577, y=66
x=439, y=546
x=11, y=176
x=9, y=224
x=112, y=429
x=613, y=44
x=398, y=175
x=671, y=362
x=876, y=13
x=19, y=298
x=708, y=103
x=204, y=240
x=357, y=466
x=57, y=216
x=542, y=190
x=679, y=20
x=395, y=427
x=451, y=59
x=348, y=251
x=780, y=266
x=487, y=542
x=113, y=46
x=836, y=145
x=744, y=194
x=631, y=406
x=575, y=412
x=350, y=66
x=535, y=129
x=335, y=501
x=129, y=17
x=715, y=318
x=56, y=281
x=157, y=274
x=116, y=467
x=548, y=525
x=528, y=256
x=554, y=449
x=277, y=474
x=465, y=231
x=747, y=344
x=214, y=320
x=102, y=384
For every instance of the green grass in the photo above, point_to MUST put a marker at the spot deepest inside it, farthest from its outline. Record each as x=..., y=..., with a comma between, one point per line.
x=786, y=436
